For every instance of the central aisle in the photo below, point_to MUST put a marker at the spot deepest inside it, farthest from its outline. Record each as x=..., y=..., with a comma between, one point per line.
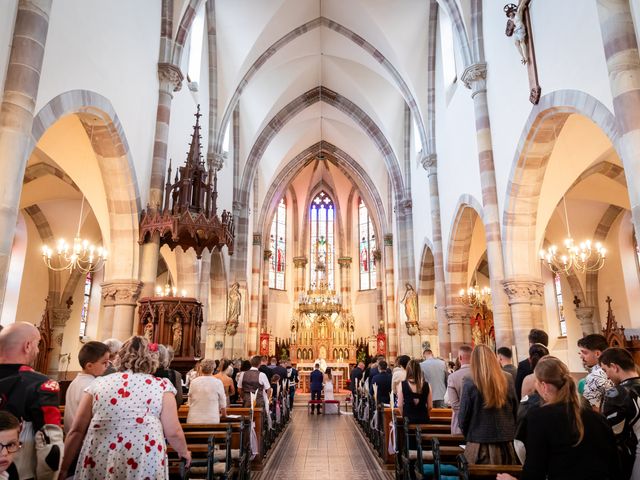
x=319, y=447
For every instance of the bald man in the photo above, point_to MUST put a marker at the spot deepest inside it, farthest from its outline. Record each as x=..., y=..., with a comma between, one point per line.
x=34, y=399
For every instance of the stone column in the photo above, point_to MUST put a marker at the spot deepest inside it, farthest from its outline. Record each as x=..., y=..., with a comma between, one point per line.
x=377, y=256
x=300, y=265
x=215, y=339
x=474, y=77
x=621, y=52
x=59, y=318
x=170, y=80
x=429, y=163
x=120, y=297
x=264, y=316
x=585, y=315
x=459, y=318
x=392, y=335
x=188, y=279
x=254, y=299
x=345, y=282
x=204, y=292
x=525, y=300
x=16, y=117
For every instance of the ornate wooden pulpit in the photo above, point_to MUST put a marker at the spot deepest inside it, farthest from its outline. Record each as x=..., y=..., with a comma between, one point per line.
x=175, y=322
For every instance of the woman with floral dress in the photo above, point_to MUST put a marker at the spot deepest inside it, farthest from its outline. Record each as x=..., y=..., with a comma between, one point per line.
x=123, y=420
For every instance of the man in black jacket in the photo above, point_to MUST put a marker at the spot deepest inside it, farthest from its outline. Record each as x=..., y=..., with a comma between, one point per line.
x=316, y=379
x=524, y=367
x=383, y=381
x=356, y=374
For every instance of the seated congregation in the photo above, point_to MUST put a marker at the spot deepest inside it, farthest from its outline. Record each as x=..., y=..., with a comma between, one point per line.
x=125, y=416
x=531, y=422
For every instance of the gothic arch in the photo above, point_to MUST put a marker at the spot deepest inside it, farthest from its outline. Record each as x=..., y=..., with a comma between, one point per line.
x=529, y=166
x=117, y=169
x=426, y=287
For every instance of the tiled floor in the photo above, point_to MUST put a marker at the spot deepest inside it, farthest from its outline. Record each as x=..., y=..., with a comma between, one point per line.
x=319, y=447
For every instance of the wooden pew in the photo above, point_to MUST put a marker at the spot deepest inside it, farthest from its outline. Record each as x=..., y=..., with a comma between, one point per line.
x=476, y=472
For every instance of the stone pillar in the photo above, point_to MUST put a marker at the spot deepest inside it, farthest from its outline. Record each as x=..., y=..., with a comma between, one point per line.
x=215, y=339
x=392, y=335
x=59, y=317
x=459, y=318
x=429, y=163
x=16, y=117
x=623, y=63
x=585, y=315
x=526, y=300
x=188, y=279
x=264, y=316
x=254, y=299
x=377, y=256
x=345, y=282
x=300, y=265
x=474, y=77
x=170, y=80
x=119, y=297
x=204, y=292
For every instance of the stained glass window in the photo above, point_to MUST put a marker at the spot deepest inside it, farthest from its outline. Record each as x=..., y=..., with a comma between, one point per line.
x=84, y=314
x=278, y=246
x=322, y=216
x=563, y=321
x=367, y=237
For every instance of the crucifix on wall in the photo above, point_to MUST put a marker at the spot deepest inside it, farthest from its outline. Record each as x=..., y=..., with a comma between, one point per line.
x=519, y=27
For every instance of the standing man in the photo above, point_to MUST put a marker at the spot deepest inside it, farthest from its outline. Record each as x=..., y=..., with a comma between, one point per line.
x=316, y=378
x=356, y=376
x=292, y=378
x=596, y=383
x=524, y=367
x=383, y=382
x=455, y=383
x=265, y=369
x=620, y=406
x=34, y=399
x=505, y=358
x=435, y=374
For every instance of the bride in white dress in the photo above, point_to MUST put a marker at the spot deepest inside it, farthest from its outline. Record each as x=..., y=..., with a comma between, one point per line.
x=331, y=408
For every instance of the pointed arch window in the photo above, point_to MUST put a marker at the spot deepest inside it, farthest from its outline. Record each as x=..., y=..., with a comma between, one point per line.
x=560, y=304
x=322, y=216
x=195, y=46
x=447, y=49
x=278, y=246
x=367, y=245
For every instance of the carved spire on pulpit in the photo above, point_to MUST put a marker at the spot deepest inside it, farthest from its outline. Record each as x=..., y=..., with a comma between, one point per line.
x=189, y=216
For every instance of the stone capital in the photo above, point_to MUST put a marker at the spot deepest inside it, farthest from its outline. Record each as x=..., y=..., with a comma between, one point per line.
x=524, y=291
x=458, y=314
x=59, y=316
x=429, y=162
x=388, y=240
x=345, y=262
x=403, y=207
x=170, y=77
x=238, y=206
x=299, y=262
x=475, y=77
x=216, y=328
x=257, y=239
x=267, y=254
x=121, y=292
x=216, y=160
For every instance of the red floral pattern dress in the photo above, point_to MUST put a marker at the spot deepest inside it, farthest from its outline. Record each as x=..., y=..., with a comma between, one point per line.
x=125, y=439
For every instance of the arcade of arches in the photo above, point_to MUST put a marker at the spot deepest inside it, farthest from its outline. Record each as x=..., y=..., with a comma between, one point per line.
x=366, y=160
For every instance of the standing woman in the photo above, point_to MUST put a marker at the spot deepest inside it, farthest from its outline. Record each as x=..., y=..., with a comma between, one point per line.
x=207, y=400
x=414, y=395
x=123, y=419
x=563, y=439
x=488, y=410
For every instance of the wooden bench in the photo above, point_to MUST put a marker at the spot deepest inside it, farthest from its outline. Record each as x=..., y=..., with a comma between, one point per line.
x=322, y=404
x=475, y=472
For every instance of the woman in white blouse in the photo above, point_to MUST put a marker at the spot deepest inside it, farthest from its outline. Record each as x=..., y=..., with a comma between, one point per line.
x=207, y=400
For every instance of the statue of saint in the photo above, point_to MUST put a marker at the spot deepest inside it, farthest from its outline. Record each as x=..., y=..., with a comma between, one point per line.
x=148, y=330
x=517, y=29
x=233, y=308
x=176, y=335
x=476, y=333
x=410, y=301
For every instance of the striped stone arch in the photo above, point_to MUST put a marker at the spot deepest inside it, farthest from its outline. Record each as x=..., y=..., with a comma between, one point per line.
x=116, y=166
x=468, y=211
x=537, y=142
x=41, y=169
x=426, y=287
x=183, y=29
x=347, y=165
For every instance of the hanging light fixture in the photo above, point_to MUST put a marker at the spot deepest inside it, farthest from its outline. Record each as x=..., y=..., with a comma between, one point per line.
x=584, y=257
x=475, y=296
x=81, y=255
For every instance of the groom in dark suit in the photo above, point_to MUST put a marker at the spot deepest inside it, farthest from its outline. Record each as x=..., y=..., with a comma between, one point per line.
x=316, y=378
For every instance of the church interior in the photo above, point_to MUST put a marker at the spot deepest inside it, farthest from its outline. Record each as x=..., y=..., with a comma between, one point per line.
x=319, y=180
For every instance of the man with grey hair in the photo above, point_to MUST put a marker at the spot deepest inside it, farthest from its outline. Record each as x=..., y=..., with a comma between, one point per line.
x=114, y=346
x=34, y=399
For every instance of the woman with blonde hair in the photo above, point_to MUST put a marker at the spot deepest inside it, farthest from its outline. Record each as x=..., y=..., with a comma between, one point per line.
x=123, y=419
x=488, y=410
x=563, y=439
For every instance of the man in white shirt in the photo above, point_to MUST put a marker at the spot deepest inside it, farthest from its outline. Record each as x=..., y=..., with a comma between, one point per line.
x=597, y=382
x=94, y=360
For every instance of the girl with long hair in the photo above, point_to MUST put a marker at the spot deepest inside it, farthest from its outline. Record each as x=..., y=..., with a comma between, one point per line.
x=488, y=410
x=563, y=439
x=414, y=395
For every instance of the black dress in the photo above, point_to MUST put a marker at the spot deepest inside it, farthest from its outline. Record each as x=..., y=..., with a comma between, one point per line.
x=414, y=406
